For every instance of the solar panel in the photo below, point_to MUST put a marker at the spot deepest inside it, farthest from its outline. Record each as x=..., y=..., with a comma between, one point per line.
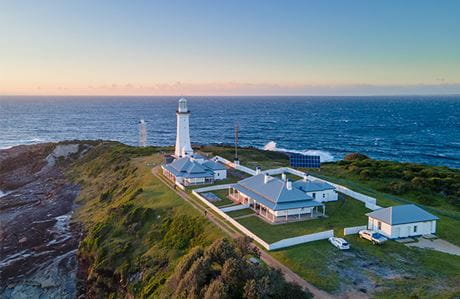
x=306, y=161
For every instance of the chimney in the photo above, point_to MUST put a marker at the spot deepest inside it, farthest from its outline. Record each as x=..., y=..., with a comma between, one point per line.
x=257, y=170
x=289, y=185
x=266, y=178
x=305, y=178
x=283, y=176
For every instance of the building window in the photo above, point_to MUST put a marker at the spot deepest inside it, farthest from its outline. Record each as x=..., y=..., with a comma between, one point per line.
x=379, y=225
x=415, y=228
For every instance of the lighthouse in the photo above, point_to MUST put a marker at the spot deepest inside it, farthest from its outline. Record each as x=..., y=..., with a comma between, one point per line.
x=183, y=147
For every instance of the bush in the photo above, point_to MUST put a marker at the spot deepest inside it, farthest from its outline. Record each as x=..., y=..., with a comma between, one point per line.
x=355, y=156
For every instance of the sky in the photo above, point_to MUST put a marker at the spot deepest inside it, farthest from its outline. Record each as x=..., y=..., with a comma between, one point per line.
x=229, y=47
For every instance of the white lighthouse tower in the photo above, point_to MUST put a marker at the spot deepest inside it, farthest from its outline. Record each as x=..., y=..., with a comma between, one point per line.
x=183, y=147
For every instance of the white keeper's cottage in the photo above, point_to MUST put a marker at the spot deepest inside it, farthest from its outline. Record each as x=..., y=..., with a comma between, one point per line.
x=275, y=200
x=402, y=221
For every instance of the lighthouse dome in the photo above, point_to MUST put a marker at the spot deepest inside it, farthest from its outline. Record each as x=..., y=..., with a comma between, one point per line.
x=182, y=105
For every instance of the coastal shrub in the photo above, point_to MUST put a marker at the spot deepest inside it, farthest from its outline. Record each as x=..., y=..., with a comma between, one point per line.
x=355, y=156
x=227, y=274
x=181, y=230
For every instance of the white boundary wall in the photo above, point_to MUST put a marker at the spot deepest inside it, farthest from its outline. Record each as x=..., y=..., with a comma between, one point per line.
x=370, y=202
x=302, y=239
x=236, y=166
x=277, y=245
x=234, y=208
x=231, y=220
x=214, y=188
x=353, y=230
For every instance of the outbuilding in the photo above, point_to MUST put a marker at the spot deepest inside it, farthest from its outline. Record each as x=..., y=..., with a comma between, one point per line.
x=402, y=221
x=319, y=190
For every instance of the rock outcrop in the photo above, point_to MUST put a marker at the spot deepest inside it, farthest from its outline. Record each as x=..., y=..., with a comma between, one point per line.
x=38, y=242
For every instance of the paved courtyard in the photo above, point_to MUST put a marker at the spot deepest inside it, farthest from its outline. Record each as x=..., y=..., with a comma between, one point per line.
x=436, y=244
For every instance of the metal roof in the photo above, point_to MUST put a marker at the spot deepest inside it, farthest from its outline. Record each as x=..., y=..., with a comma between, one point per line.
x=312, y=186
x=213, y=165
x=402, y=214
x=274, y=193
x=187, y=168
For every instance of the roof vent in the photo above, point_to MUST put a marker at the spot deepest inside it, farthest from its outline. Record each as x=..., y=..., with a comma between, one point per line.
x=283, y=176
x=289, y=185
x=266, y=178
x=258, y=170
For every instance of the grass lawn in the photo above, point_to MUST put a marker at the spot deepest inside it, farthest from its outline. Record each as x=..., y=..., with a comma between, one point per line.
x=345, y=212
x=238, y=213
x=392, y=270
x=222, y=194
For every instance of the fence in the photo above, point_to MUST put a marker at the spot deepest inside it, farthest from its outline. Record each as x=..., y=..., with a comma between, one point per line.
x=277, y=245
x=302, y=239
x=231, y=220
x=234, y=208
x=370, y=202
x=353, y=230
x=236, y=166
x=285, y=170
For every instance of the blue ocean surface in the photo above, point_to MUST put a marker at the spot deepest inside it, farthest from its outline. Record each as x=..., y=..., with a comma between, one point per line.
x=423, y=129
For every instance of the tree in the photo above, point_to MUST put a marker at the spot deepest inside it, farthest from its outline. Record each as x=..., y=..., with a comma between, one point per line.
x=217, y=289
x=250, y=290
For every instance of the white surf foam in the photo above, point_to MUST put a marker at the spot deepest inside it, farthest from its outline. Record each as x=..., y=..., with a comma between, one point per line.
x=324, y=156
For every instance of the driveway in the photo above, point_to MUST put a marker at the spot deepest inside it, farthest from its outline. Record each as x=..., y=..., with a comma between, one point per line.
x=436, y=244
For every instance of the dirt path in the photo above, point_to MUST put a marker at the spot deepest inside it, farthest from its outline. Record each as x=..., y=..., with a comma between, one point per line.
x=267, y=258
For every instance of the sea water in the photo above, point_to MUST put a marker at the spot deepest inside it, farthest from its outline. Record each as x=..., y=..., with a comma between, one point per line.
x=423, y=129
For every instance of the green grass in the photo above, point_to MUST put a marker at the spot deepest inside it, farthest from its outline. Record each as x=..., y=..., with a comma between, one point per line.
x=250, y=157
x=412, y=271
x=238, y=213
x=447, y=226
x=222, y=194
x=139, y=225
x=345, y=212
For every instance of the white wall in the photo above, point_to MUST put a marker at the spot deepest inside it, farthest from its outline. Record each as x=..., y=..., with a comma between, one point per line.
x=220, y=174
x=234, y=208
x=353, y=230
x=370, y=202
x=324, y=195
x=235, y=166
x=403, y=230
x=302, y=239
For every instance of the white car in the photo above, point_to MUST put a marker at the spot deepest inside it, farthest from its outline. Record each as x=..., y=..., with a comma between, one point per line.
x=373, y=236
x=339, y=243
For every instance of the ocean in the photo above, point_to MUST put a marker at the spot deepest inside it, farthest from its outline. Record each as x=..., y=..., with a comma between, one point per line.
x=422, y=129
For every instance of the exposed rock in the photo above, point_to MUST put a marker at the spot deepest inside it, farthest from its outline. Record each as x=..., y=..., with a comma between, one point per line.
x=38, y=242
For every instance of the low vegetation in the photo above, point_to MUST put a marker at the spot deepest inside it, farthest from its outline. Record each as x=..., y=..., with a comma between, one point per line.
x=345, y=212
x=389, y=271
x=141, y=240
x=428, y=185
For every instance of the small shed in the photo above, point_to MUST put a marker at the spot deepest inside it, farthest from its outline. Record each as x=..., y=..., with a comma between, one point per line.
x=402, y=221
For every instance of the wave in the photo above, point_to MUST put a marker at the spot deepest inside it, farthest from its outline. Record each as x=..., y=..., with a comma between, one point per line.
x=28, y=141
x=324, y=156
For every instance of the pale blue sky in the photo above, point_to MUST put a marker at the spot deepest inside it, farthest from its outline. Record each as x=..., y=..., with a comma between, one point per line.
x=229, y=47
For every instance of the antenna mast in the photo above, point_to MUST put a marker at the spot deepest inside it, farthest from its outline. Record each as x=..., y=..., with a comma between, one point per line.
x=142, y=133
